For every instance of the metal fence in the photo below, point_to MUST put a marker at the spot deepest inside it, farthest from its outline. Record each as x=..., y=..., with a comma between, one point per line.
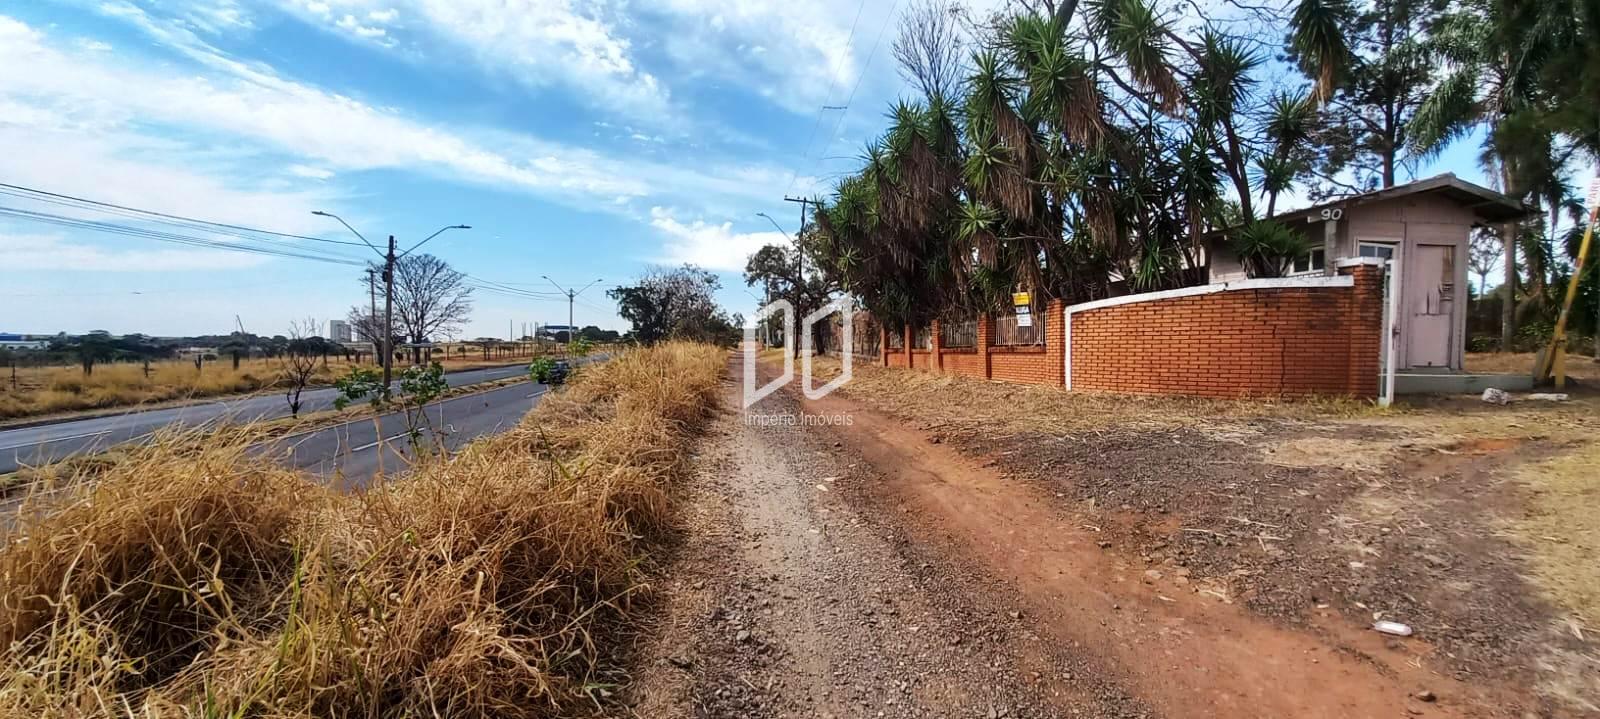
x=958, y=333
x=923, y=338
x=897, y=339
x=1008, y=334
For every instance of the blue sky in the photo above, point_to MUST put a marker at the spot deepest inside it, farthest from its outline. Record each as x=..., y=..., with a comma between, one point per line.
x=581, y=140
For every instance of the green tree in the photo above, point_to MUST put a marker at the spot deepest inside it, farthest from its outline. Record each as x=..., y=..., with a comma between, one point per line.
x=675, y=303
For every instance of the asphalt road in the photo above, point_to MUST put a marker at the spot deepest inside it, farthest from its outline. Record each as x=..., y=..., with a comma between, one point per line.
x=353, y=452
x=54, y=442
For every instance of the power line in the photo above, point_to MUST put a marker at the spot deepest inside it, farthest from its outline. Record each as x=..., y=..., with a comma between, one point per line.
x=126, y=231
x=849, y=101
x=61, y=199
x=832, y=78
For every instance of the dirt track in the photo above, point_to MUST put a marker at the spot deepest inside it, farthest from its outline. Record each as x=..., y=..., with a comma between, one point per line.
x=872, y=570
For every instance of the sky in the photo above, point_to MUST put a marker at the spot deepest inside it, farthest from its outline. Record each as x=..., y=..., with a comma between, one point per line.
x=581, y=141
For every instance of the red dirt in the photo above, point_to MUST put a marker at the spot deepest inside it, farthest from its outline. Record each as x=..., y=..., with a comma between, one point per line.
x=1191, y=656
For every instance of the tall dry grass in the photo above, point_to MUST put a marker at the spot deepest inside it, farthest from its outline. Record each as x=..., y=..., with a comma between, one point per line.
x=487, y=585
x=48, y=390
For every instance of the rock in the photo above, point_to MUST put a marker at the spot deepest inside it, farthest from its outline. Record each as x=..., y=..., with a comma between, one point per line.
x=742, y=636
x=1425, y=696
x=1104, y=543
x=1496, y=396
x=1151, y=575
x=1548, y=396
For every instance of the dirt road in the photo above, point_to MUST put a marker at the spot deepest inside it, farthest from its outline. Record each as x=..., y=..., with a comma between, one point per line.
x=839, y=563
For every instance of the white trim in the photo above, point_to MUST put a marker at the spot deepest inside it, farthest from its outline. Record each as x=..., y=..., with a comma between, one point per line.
x=1391, y=329
x=1066, y=325
x=1265, y=283
x=1360, y=262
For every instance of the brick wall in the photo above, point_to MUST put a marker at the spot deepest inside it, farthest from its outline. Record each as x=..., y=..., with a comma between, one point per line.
x=1271, y=341
x=1287, y=341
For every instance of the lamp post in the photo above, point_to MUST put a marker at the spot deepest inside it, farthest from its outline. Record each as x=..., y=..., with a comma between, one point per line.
x=572, y=332
x=389, y=260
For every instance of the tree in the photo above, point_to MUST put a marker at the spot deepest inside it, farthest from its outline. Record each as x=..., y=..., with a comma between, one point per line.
x=780, y=271
x=930, y=47
x=676, y=303
x=429, y=298
x=1091, y=140
x=1382, y=61
x=299, y=361
x=91, y=348
x=1483, y=253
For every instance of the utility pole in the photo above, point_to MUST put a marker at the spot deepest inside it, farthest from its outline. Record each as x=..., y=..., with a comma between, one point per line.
x=798, y=251
x=572, y=332
x=389, y=260
x=388, y=316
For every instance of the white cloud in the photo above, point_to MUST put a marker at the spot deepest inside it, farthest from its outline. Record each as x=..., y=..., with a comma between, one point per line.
x=712, y=246
x=310, y=173
x=52, y=253
x=349, y=22
x=77, y=116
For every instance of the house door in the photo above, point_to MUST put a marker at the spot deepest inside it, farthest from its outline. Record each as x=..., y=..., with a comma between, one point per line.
x=1430, y=303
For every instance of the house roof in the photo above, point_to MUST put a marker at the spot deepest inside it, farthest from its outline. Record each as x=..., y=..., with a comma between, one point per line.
x=1488, y=204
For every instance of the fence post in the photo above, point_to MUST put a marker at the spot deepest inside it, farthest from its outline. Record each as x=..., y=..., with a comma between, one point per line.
x=905, y=345
x=1055, y=341
x=985, y=335
x=883, y=345
x=935, y=347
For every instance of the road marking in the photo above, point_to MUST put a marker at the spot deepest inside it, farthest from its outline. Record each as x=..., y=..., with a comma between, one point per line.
x=366, y=447
x=57, y=439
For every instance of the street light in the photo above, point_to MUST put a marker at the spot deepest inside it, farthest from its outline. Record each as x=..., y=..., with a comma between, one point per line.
x=389, y=260
x=572, y=332
x=775, y=224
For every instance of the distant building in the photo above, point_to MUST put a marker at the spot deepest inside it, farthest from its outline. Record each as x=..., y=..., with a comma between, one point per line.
x=22, y=342
x=339, y=331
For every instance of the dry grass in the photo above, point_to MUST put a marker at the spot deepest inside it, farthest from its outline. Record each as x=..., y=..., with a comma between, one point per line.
x=216, y=584
x=1006, y=407
x=52, y=390
x=1562, y=529
x=1580, y=366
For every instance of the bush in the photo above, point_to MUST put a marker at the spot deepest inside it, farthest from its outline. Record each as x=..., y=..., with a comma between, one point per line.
x=211, y=582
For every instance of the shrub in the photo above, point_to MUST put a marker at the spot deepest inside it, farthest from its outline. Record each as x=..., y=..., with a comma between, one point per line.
x=211, y=582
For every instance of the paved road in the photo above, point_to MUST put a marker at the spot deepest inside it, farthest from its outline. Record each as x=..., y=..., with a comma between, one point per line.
x=355, y=451
x=49, y=443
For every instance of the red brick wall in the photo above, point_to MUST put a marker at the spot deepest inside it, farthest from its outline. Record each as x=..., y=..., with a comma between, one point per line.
x=1019, y=365
x=962, y=362
x=1274, y=342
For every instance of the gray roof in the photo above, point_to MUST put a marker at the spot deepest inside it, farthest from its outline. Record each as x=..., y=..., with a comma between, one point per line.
x=1489, y=205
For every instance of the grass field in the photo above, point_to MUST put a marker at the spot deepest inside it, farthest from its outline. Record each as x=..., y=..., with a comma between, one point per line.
x=50, y=390
x=211, y=583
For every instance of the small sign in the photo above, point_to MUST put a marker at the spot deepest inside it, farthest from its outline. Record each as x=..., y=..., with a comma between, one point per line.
x=1022, y=302
x=1594, y=194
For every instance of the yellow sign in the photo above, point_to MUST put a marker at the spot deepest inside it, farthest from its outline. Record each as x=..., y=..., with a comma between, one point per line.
x=1021, y=298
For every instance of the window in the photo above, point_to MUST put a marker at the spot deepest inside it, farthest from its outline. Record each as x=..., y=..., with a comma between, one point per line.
x=1313, y=261
x=1381, y=250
